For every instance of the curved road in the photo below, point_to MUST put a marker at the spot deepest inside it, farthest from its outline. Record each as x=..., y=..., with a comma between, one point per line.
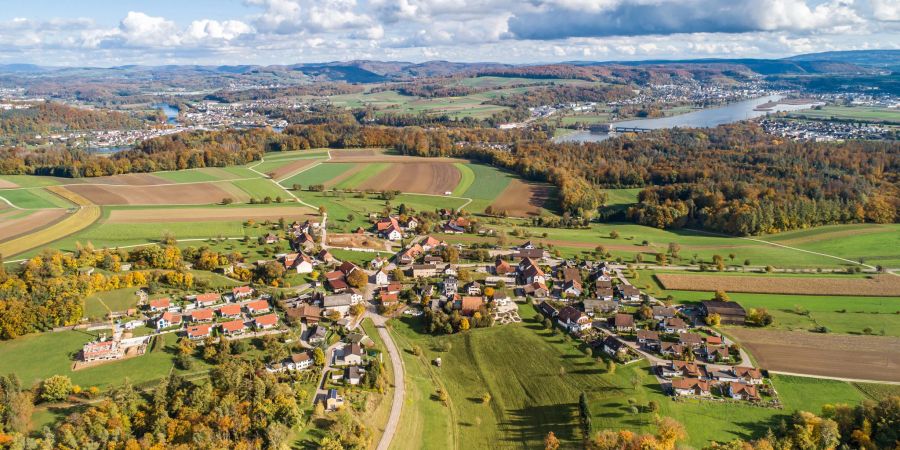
x=399, y=383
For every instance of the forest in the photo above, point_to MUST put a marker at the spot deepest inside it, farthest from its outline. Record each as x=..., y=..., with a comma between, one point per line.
x=734, y=179
x=52, y=117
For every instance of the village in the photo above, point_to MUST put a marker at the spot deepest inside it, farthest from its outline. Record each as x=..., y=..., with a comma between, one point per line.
x=444, y=285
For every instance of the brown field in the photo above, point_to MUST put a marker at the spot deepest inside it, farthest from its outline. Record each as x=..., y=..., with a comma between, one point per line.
x=877, y=286
x=521, y=198
x=418, y=177
x=289, y=169
x=131, y=179
x=830, y=355
x=194, y=194
x=339, y=154
x=357, y=241
x=6, y=184
x=39, y=219
x=347, y=174
x=375, y=155
x=208, y=214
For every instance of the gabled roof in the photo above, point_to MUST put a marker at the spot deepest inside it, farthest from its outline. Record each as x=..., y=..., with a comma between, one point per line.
x=690, y=339
x=161, y=303
x=202, y=314
x=233, y=326
x=171, y=317
x=648, y=335
x=266, y=320
x=258, y=305
x=242, y=290
x=470, y=304
x=199, y=330
x=624, y=320
x=744, y=389
x=346, y=267
x=748, y=372
x=691, y=383
x=209, y=297
x=724, y=308
x=231, y=309
x=569, y=314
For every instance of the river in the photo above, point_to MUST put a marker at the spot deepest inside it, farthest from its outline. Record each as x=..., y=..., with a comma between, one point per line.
x=704, y=118
x=170, y=111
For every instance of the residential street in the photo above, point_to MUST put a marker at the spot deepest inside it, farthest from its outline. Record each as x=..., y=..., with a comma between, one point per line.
x=399, y=383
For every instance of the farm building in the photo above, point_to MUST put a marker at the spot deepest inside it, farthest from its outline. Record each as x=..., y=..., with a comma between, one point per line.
x=731, y=313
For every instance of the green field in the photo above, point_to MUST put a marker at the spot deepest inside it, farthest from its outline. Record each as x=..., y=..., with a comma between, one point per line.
x=98, y=305
x=856, y=113
x=341, y=205
x=876, y=244
x=534, y=379
x=359, y=258
x=261, y=188
x=489, y=182
x=38, y=356
x=26, y=181
x=188, y=176
x=369, y=170
x=34, y=199
x=621, y=197
x=467, y=177
x=320, y=174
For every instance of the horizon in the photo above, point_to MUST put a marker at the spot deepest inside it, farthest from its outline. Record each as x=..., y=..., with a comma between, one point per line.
x=269, y=32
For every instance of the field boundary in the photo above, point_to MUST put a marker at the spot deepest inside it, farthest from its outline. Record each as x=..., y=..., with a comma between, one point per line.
x=86, y=215
x=825, y=377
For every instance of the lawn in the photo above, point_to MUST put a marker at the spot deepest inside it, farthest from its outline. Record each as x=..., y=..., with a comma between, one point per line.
x=359, y=258
x=534, y=379
x=38, y=356
x=98, y=305
x=320, y=174
x=34, y=198
x=467, y=177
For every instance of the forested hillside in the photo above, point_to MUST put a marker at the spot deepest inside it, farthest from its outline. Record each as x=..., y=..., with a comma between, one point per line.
x=51, y=117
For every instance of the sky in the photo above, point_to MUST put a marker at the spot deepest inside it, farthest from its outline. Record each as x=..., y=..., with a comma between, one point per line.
x=152, y=32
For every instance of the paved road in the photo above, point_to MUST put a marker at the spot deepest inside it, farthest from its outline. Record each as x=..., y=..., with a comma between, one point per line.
x=399, y=383
x=321, y=392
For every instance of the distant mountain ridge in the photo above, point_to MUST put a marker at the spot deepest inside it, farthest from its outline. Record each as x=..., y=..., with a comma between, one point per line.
x=372, y=71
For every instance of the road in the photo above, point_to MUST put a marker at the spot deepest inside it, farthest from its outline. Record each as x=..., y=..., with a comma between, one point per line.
x=321, y=392
x=399, y=383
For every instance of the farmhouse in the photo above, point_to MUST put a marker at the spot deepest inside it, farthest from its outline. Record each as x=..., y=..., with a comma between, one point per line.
x=168, y=319
x=593, y=306
x=338, y=302
x=740, y=391
x=258, y=307
x=624, y=322
x=266, y=322
x=160, y=304
x=199, y=331
x=298, y=262
x=749, y=375
x=691, y=386
x=731, y=313
x=573, y=320
x=410, y=255
x=103, y=350
x=310, y=314
x=629, y=293
x=530, y=273
x=325, y=256
x=502, y=267
x=429, y=243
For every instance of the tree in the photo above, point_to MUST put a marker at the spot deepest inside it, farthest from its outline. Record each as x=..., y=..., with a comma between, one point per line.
x=759, y=317
x=319, y=410
x=661, y=259
x=486, y=398
x=610, y=367
x=713, y=319
x=319, y=357
x=357, y=279
x=668, y=432
x=721, y=296
x=613, y=234
x=551, y=442
x=674, y=249
x=55, y=388
x=464, y=324
x=357, y=309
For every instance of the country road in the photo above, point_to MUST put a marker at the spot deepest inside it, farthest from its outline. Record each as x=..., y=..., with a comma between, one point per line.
x=399, y=383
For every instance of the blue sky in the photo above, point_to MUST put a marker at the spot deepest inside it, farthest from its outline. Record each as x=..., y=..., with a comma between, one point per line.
x=107, y=32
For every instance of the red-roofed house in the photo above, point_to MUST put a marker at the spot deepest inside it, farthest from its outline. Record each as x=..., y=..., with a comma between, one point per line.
x=266, y=322
x=199, y=331
x=230, y=310
x=209, y=299
x=242, y=292
x=469, y=305
x=258, y=307
x=168, y=319
x=233, y=327
x=201, y=315
x=388, y=299
x=160, y=304
x=742, y=391
x=690, y=386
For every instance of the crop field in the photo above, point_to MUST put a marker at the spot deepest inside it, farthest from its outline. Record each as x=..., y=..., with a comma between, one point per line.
x=34, y=198
x=202, y=175
x=417, y=177
x=348, y=212
x=522, y=199
x=27, y=181
x=283, y=168
x=321, y=174
x=190, y=214
x=358, y=175
x=860, y=113
x=878, y=285
x=17, y=223
x=84, y=216
x=197, y=193
x=831, y=355
x=840, y=314
x=260, y=188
